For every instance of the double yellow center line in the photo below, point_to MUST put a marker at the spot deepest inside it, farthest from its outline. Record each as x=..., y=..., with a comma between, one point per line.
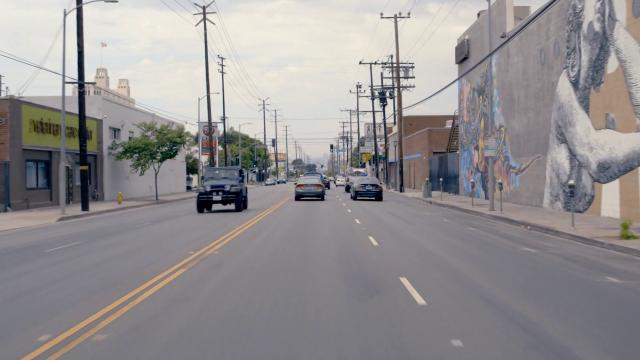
x=107, y=314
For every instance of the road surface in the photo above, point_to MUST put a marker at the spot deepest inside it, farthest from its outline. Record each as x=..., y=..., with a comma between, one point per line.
x=311, y=280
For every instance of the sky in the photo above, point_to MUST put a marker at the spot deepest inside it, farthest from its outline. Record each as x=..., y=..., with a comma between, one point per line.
x=301, y=54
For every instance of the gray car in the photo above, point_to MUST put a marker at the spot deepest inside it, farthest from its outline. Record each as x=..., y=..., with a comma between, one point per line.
x=309, y=187
x=368, y=187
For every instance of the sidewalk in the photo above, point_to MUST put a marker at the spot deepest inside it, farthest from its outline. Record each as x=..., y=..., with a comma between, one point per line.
x=48, y=215
x=593, y=230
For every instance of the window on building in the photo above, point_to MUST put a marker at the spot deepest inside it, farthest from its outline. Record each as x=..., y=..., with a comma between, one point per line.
x=37, y=174
x=131, y=135
x=114, y=133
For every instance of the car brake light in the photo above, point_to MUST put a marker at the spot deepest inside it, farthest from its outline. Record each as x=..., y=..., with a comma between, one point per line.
x=299, y=186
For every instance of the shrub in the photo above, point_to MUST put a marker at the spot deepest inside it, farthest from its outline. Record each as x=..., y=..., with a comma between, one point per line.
x=625, y=231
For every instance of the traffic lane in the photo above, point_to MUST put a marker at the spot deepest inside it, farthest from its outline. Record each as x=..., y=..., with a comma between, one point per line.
x=302, y=284
x=47, y=292
x=534, y=301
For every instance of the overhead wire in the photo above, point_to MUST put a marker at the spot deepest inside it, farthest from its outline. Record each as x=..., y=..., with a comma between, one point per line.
x=514, y=34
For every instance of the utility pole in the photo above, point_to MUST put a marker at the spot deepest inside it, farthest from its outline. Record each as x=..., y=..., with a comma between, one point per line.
x=286, y=142
x=350, y=141
x=266, y=149
x=358, y=92
x=383, y=104
x=82, y=111
x=204, y=21
x=492, y=175
x=224, y=110
x=373, y=116
x=1, y=76
x=398, y=95
x=275, y=113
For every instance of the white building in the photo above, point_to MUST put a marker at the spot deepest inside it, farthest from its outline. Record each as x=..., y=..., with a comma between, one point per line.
x=119, y=118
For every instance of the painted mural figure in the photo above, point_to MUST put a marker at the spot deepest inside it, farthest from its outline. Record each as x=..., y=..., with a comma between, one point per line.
x=578, y=151
x=476, y=125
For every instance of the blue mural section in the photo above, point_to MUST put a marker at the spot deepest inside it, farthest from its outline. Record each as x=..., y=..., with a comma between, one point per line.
x=476, y=127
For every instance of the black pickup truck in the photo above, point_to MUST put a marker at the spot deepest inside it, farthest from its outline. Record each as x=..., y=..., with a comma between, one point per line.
x=222, y=185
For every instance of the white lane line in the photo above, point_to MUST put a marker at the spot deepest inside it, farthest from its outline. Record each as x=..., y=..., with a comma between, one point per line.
x=457, y=343
x=612, y=279
x=529, y=250
x=44, y=337
x=100, y=337
x=349, y=210
x=64, y=246
x=357, y=221
x=373, y=241
x=413, y=292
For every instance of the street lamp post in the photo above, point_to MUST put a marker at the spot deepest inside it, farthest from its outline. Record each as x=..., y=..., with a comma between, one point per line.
x=62, y=190
x=240, y=143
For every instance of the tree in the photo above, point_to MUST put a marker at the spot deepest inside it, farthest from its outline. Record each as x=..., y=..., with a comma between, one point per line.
x=192, y=164
x=248, y=150
x=155, y=145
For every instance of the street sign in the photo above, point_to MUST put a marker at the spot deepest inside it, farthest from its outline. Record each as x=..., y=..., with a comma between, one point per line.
x=490, y=147
x=366, y=156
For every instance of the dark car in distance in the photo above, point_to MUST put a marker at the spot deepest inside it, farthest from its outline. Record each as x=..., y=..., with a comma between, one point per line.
x=222, y=185
x=368, y=187
x=309, y=187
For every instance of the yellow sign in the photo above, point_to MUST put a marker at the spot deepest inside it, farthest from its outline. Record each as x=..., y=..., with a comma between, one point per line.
x=41, y=127
x=366, y=157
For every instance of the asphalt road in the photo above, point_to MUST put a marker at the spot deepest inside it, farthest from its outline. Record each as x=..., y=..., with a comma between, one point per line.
x=311, y=280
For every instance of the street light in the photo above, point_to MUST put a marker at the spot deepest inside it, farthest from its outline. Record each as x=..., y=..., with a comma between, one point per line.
x=62, y=191
x=240, y=143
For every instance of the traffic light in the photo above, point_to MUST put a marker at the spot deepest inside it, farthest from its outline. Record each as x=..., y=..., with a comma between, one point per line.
x=273, y=142
x=331, y=147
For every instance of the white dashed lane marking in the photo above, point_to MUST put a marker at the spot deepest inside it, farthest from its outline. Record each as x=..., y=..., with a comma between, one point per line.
x=413, y=292
x=44, y=338
x=373, y=241
x=529, y=250
x=64, y=246
x=349, y=210
x=612, y=279
x=457, y=343
x=357, y=221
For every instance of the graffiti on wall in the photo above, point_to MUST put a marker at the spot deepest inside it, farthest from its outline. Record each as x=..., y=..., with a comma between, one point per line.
x=578, y=152
x=476, y=126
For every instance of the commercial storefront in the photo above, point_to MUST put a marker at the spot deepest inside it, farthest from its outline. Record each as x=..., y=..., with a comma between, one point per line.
x=30, y=150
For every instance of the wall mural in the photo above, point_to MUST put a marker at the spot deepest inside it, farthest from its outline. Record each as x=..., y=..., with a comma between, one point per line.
x=578, y=151
x=475, y=127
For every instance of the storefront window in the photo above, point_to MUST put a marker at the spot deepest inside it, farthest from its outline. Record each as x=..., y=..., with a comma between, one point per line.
x=37, y=174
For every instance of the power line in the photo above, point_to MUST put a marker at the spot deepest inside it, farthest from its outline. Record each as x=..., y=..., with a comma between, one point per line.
x=437, y=28
x=510, y=38
x=426, y=29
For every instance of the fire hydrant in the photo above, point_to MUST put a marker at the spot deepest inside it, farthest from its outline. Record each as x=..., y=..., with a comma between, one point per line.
x=120, y=197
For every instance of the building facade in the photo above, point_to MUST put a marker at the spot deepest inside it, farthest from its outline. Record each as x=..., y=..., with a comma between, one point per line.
x=566, y=106
x=118, y=123
x=30, y=146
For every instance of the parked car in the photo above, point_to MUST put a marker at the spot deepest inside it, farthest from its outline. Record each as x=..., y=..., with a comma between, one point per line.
x=270, y=182
x=309, y=186
x=340, y=181
x=222, y=185
x=368, y=187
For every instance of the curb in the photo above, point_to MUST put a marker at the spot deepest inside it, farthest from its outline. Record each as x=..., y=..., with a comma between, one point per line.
x=542, y=229
x=107, y=211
